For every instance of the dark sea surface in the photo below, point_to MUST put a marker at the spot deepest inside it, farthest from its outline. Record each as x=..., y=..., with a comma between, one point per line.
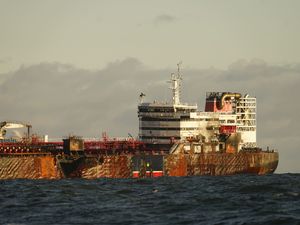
x=242, y=199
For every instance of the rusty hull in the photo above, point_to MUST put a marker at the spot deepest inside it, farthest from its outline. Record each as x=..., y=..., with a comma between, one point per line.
x=47, y=166
x=28, y=166
x=216, y=164
x=106, y=166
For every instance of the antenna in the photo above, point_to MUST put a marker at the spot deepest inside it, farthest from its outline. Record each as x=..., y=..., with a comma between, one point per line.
x=178, y=70
x=176, y=85
x=142, y=95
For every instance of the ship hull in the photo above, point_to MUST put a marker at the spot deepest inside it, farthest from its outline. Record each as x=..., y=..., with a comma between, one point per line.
x=217, y=164
x=46, y=166
x=212, y=164
x=28, y=166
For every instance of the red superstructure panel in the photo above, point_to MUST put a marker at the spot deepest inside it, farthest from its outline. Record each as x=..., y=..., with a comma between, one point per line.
x=227, y=129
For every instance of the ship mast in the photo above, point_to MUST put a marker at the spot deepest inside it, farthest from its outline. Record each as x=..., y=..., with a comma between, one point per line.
x=176, y=85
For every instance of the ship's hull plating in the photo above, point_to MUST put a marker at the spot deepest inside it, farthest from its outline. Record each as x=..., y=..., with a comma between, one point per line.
x=216, y=164
x=125, y=166
x=28, y=166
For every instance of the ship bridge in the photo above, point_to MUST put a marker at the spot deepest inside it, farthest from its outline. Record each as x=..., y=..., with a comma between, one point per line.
x=165, y=122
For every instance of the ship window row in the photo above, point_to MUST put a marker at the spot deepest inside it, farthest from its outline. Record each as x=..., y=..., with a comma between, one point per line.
x=159, y=119
x=156, y=109
x=183, y=118
x=160, y=128
x=228, y=121
x=189, y=128
x=169, y=128
x=160, y=137
x=177, y=119
x=246, y=128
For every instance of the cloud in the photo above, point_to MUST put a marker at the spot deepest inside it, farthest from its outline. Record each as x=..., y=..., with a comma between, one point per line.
x=5, y=60
x=163, y=19
x=59, y=99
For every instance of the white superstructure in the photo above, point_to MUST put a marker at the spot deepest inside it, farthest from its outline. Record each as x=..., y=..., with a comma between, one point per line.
x=246, y=120
x=228, y=118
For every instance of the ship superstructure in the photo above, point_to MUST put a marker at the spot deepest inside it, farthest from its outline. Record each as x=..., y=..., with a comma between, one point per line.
x=229, y=119
x=164, y=123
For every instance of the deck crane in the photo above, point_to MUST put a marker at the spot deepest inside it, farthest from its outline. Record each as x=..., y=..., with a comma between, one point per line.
x=13, y=125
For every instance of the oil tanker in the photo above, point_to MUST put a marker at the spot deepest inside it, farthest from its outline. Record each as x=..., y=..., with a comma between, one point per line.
x=175, y=139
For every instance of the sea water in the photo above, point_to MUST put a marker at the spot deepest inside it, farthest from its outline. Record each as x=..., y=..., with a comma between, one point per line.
x=239, y=199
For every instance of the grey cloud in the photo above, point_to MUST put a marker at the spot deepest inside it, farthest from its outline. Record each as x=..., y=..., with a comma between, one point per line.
x=164, y=18
x=59, y=99
x=5, y=60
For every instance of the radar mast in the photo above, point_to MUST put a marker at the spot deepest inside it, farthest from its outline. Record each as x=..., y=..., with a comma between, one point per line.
x=176, y=85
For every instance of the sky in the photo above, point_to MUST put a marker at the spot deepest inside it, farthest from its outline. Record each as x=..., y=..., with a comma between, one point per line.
x=78, y=67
